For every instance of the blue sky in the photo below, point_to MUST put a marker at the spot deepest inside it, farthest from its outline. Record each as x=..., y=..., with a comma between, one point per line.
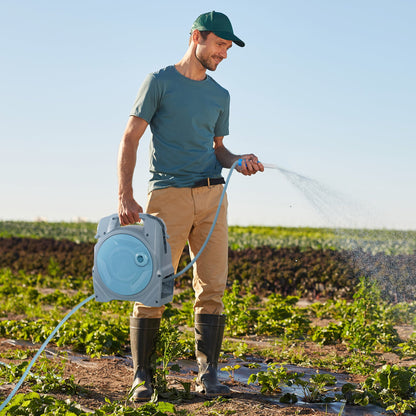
x=323, y=88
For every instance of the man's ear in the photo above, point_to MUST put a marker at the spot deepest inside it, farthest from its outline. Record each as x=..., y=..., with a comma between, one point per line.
x=196, y=36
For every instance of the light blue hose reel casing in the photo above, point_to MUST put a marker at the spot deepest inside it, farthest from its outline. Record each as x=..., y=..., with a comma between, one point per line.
x=133, y=262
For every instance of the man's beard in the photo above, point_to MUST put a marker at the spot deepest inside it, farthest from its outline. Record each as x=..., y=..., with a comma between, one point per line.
x=207, y=63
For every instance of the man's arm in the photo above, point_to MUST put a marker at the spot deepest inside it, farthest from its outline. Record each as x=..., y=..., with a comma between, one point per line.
x=128, y=208
x=250, y=164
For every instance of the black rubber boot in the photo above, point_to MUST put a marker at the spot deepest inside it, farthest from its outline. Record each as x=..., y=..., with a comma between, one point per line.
x=143, y=336
x=209, y=331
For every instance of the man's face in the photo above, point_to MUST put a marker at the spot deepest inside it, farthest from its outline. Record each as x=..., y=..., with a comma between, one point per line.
x=211, y=51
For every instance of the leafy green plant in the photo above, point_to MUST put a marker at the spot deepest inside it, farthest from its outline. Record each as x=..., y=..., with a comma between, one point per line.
x=75, y=231
x=373, y=241
x=11, y=372
x=50, y=378
x=273, y=379
x=353, y=395
x=230, y=369
x=408, y=348
x=316, y=388
x=45, y=377
x=148, y=409
x=281, y=317
x=18, y=354
x=239, y=309
x=393, y=387
x=218, y=400
x=33, y=404
x=328, y=335
x=365, y=324
x=171, y=345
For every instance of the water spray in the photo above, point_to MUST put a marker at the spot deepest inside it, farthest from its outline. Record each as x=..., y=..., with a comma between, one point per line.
x=270, y=166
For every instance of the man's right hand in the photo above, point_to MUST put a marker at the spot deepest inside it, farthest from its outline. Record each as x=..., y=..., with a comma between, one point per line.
x=128, y=211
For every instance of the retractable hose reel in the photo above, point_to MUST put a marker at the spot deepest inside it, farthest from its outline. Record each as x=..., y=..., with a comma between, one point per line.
x=133, y=262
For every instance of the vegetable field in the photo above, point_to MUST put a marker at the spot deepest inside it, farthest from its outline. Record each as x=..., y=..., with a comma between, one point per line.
x=319, y=320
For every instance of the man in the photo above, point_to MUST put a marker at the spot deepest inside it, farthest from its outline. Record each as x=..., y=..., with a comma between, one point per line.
x=188, y=116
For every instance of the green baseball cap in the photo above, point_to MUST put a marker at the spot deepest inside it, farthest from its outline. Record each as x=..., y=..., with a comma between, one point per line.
x=219, y=24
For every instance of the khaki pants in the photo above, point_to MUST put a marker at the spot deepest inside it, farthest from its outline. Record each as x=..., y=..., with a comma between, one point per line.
x=188, y=214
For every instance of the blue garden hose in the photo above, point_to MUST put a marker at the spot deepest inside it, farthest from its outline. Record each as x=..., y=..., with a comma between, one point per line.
x=188, y=266
x=22, y=379
x=25, y=374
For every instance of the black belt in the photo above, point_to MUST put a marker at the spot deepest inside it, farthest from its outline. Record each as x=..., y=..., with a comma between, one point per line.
x=208, y=182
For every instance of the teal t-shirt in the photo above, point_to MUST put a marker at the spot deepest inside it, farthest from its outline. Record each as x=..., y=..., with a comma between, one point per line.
x=184, y=116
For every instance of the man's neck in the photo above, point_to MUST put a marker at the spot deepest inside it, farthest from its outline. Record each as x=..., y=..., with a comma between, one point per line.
x=191, y=68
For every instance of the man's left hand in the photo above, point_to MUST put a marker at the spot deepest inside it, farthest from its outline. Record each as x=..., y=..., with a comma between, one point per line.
x=249, y=165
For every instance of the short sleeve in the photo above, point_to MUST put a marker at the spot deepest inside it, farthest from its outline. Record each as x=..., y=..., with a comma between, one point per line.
x=222, y=125
x=147, y=100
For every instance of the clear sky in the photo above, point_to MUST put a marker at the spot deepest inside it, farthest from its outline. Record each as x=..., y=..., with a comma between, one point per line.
x=324, y=88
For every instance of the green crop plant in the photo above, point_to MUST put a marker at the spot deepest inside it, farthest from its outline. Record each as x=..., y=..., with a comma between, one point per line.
x=241, y=350
x=355, y=363
x=393, y=387
x=75, y=231
x=11, y=372
x=236, y=348
x=214, y=402
x=316, y=388
x=46, y=378
x=293, y=353
x=401, y=313
x=329, y=334
x=241, y=316
x=281, y=317
x=34, y=404
x=171, y=345
x=184, y=314
x=230, y=369
x=54, y=268
x=391, y=242
x=49, y=376
x=365, y=324
x=95, y=337
x=18, y=354
x=353, y=395
x=252, y=365
x=148, y=409
x=408, y=348
x=50, y=382
x=273, y=379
